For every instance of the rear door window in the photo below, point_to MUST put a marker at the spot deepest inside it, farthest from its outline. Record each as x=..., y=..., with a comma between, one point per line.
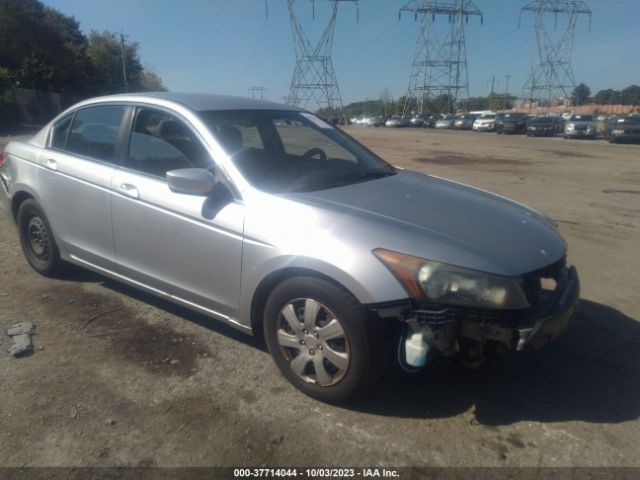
x=94, y=132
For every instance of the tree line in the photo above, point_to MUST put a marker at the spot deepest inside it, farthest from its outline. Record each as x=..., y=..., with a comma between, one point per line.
x=44, y=49
x=628, y=96
x=388, y=105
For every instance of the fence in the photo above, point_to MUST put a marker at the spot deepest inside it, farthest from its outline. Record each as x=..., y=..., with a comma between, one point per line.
x=37, y=107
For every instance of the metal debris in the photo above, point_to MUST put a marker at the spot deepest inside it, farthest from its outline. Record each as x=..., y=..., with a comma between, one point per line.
x=20, y=334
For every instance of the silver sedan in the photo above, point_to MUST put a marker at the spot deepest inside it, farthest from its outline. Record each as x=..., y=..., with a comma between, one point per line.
x=268, y=218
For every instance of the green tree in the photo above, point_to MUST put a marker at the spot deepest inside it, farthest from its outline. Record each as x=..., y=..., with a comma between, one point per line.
x=105, y=52
x=151, y=82
x=580, y=94
x=41, y=48
x=607, y=97
x=630, y=95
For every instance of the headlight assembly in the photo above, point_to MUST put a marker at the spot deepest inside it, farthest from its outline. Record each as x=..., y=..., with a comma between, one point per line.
x=439, y=283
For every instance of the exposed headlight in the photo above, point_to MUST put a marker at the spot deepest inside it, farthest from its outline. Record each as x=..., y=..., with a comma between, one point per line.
x=571, y=126
x=435, y=282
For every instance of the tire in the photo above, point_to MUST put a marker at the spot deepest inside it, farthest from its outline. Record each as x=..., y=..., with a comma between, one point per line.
x=356, y=343
x=37, y=241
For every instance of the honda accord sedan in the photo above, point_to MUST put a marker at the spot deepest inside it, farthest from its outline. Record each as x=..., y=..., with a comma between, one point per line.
x=267, y=218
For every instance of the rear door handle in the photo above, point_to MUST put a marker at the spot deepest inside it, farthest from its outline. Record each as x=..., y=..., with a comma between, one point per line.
x=50, y=164
x=129, y=190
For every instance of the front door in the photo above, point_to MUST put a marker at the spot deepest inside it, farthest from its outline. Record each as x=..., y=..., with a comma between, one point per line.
x=187, y=246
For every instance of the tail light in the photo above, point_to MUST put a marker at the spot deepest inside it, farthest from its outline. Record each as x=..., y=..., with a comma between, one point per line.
x=3, y=157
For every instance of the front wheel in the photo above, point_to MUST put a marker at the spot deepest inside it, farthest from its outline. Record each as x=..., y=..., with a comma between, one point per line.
x=323, y=340
x=36, y=239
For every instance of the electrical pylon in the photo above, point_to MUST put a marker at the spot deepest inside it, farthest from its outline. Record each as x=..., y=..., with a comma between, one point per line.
x=257, y=92
x=314, y=84
x=440, y=61
x=552, y=75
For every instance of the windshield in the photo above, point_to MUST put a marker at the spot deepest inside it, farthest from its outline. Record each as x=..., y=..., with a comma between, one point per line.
x=541, y=120
x=279, y=151
x=582, y=118
x=630, y=120
x=487, y=117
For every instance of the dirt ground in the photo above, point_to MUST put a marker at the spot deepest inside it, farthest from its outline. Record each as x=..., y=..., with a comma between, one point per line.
x=121, y=378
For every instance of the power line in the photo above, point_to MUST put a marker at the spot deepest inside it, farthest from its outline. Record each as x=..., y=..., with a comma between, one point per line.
x=314, y=84
x=439, y=65
x=552, y=75
x=257, y=92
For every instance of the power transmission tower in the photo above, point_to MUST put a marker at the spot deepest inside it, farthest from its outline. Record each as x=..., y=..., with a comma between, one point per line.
x=314, y=84
x=257, y=92
x=552, y=76
x=439, y=62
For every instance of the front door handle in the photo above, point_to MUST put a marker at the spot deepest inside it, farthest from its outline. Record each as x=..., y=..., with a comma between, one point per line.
x=50, y=164
x=129, y=190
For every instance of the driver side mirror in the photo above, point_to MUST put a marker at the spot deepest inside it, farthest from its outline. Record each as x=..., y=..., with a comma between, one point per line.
x=191, y=181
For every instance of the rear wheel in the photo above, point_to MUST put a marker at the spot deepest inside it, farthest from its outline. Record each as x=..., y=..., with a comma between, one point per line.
x=36, y=239
x=323, y=340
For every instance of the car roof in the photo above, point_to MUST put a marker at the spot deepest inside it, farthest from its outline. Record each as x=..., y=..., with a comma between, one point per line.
x=205, y=101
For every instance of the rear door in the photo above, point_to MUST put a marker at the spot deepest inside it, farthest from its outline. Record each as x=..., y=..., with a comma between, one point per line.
x=186, y=246
x=75, y=179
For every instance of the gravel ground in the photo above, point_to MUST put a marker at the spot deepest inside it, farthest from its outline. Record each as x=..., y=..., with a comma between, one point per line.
x=118, y=377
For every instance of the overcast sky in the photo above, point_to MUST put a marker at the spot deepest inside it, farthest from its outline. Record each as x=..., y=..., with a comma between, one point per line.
x=218, y=46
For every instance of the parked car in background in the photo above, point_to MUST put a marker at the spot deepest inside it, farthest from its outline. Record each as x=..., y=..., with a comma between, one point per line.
x=465, y=121
x=380, y=120
x=511, y=123
x=485, y=123
x=623, y=129
x=274, y=222
x=417, y=121
x=395, y=121
x=430, y=121
x=580, y=126
x=445, y=122
x=544, y=126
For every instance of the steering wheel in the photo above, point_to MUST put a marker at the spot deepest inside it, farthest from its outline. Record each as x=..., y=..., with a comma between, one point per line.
x=311, y=153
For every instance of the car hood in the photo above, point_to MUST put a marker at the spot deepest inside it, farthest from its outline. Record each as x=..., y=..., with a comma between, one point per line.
x=445, y=221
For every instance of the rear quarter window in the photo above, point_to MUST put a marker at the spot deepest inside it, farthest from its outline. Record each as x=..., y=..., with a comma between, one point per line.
x=59, y=133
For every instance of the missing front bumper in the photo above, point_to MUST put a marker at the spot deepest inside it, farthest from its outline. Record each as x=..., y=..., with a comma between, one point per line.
x=473, y=334
x=532, y=333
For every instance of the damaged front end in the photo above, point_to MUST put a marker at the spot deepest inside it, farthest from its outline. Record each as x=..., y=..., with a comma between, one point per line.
x=471, y=334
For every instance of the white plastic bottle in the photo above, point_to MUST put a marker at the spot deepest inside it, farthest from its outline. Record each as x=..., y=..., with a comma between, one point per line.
x=416, y=349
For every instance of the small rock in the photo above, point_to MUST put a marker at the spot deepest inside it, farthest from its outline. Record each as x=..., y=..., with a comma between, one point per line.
x=174, y=341
x=21, y=345
x=165, y=359
x=21, y=328
x=44, y=297
x=205, y=354
x=110, y=421
x=277, y=439
x=40, y=348
x=74, y=413
x=175, y=361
